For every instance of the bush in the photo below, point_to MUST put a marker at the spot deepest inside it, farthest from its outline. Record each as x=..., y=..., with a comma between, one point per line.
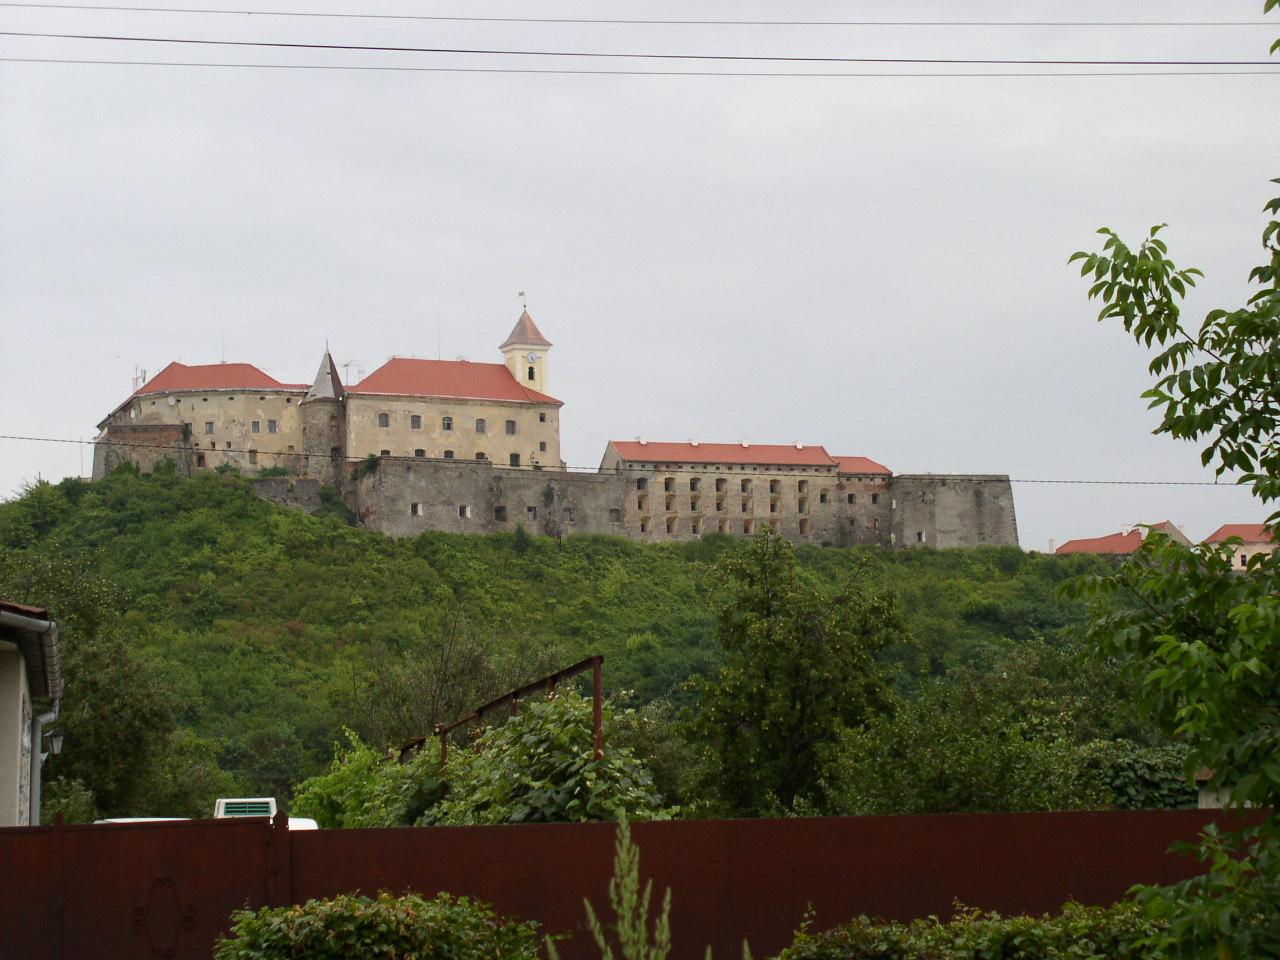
x=1117, y=932
x=352, y=927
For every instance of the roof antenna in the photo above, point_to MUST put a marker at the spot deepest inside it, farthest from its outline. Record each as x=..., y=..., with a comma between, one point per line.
x=439, y=351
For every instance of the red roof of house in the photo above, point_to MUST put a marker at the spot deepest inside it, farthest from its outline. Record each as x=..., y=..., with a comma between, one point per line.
x=861, y=465
x=404, y=377
x=1114, y=543
x=214, y=376
x=1249, y=532
x=788, y=455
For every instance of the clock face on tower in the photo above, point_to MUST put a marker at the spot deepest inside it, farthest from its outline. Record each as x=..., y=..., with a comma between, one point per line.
x=533, y=358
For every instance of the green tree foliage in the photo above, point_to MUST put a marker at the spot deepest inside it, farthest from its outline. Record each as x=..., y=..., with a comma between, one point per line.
x=1041, y=731
x=269, y=631
x=1117, y=932
x=353, y=927
x=540, y=767
x=799, y=667
x=1204, y=636
x=366, y=788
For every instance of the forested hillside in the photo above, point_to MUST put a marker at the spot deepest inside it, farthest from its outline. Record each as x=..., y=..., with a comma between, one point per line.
x=223, y=635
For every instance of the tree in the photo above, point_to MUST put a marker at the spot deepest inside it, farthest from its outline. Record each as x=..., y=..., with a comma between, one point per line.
x=799, y=666
x=1204, y=638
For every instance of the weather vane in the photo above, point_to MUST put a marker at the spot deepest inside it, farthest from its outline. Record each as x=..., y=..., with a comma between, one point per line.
x=523, y=300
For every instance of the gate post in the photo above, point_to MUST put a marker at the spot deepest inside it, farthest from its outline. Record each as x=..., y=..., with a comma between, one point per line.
x=279, y=859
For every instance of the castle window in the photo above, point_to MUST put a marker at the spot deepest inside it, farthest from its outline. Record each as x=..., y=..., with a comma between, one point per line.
x=920, y=537
x=746, y=505
x=419, y=452
x=415, y=509
x=514, y=459
x=286, y=399
x=481, y=456
x=335, y=453
x=208, y=426
x=542, y=418
x=773, y=506
x=721, y=484
x=500, y=513
x=615, y=515
x=851, y=498
x=642, y=502
x=804, y=504
x=464, y=511
x=671, y=524
x=746, y=526
x=290, y=448
x=415, y=422
x=273, y=426
x=384, y=453
x=804, y=527
x=822, y=497
x=694, y=502
x=531, y=375
x=567, y=514
x=671, y=501
x=531, y=512
x=480, y=426
x=719, y=503
x=446, y=423
x=642, y=484
x=384, y=419
x=199, y=459
x=644, y=524
x=255, y=426
x=695, y=526
x=721, y=525
x=875, y=498
x=746, y=486
x=804, y=486
x=253, y=457
x=542, y=446
x=511, y=428
x=669, y=484
x=448, y=454
x=694, y=484
x=775, y=486
x=875, y=524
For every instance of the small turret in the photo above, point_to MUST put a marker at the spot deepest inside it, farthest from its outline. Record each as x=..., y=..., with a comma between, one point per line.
x=324, y=425
x=525, y=351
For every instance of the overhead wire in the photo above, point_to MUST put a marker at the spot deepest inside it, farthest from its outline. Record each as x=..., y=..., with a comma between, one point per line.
x=736, y=58
x=601, y=21
x=223, y=451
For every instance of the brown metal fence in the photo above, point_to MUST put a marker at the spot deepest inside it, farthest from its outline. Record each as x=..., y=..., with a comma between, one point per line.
x=124, y=891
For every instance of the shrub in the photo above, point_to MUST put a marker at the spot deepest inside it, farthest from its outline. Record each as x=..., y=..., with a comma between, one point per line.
x=352, y=927
x=1078, y=932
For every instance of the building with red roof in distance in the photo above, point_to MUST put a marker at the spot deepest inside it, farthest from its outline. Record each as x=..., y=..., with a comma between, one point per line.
x=202, y=417
x=1126, y=541
x=1255, y=538
x=475, y=447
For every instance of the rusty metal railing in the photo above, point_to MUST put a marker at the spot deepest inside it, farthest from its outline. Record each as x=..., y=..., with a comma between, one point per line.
x=512, y=702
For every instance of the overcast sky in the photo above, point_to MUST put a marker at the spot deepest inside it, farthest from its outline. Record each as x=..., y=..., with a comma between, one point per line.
x=874, y=263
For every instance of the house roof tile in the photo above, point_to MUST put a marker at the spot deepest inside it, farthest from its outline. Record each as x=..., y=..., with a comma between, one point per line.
x=1113, y=543
x=406, y=377
x=764, y=454
x=525, y=334
x=861, y=465
x=1249, y=532
x=214, y=376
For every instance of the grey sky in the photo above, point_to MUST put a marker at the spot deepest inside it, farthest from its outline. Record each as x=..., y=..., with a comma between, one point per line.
x=875, y=264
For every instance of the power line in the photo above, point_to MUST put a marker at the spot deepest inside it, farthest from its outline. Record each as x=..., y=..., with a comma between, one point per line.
x=737, y=58
x=647, y=22
x=285, y=454
x=870, y=74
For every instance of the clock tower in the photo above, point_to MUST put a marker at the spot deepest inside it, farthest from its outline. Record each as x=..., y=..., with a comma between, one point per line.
x=525, y=351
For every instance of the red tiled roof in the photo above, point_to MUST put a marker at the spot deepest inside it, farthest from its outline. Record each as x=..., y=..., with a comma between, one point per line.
x=1249, y=532
x=214, y=376
x=788, y=455
x=861, y=465
x=404, y=377
x=1114, y=543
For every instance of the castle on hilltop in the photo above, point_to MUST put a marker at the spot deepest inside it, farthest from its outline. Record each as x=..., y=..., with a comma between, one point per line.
x=475, y=447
